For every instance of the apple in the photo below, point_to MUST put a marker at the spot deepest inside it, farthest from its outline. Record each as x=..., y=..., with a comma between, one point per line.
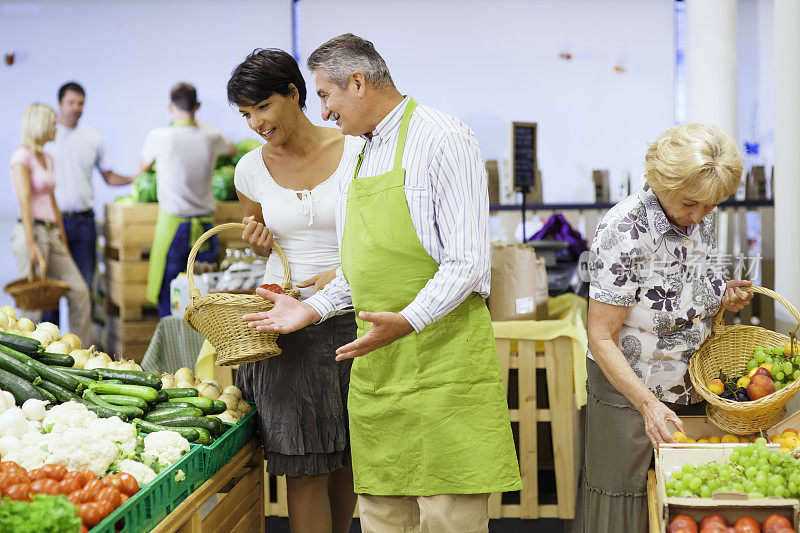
x=716, y=386
x=760, y=386
x=761, y=371
x=682, y=524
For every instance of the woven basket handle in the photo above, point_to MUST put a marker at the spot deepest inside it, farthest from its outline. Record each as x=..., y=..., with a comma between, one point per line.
x=718, y=327
x=42, y=269
x=194, y=292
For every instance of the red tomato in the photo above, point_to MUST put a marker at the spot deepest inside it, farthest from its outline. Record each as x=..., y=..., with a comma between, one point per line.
x=5, y=466
x=93, y=487
x=747, y=524
x=80, y=496
x=111, y=495
x=20, y=491
x=111, y=481
x=45, y=486
x=68, y=486
x=272, y=287
x=90, y=514
x=104, y=507
x=124, y=498
x=11, y=478
x=88, y=475
x=83, y=529
x=36, y=474
x=56, y=472
x=776, y=520
x=128, y=484
x=714, y=518
x=79, y=478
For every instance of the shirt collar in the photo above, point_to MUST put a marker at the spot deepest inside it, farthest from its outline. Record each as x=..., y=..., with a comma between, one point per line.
x=657, y=218
x=389, y=123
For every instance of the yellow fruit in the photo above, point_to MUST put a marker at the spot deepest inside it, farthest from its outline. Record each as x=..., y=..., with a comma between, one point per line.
x=680, y=436
x=714, y=440
x=788, y=434
x=690, y=440
x=729, y=439
x=743, y=382
x=785, y=450
x=716, y=386
x=783, y=442
x=787, y=350
x=702, y=441
x=768, y=366
x=774, y=438
x=790, y=430
x=743, y=440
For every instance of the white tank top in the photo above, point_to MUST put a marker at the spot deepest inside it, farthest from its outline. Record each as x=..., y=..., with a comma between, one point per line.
x=302, y=222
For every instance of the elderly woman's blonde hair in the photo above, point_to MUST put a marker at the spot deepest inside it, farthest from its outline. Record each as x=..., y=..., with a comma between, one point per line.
x=36, y=123
x=695, y=161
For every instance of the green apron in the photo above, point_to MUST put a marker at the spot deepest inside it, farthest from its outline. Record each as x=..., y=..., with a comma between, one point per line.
x=166, y=228
x=428, y=412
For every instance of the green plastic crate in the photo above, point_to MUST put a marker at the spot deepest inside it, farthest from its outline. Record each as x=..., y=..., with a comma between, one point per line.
x=158, y=498
x=222, y=450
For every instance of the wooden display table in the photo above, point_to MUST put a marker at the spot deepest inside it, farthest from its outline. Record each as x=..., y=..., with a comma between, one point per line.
x=240, y=510
x=653, y=508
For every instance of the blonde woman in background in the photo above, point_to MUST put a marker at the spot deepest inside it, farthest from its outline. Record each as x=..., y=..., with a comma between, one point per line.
x=39, y=233
x=656, y=285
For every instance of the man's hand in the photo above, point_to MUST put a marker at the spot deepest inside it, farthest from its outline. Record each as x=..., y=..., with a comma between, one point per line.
x=735, y=299
x=288, y=314
x=386, y=328
x=319, y=281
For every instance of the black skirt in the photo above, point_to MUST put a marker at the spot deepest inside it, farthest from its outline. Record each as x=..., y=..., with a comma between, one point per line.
x=301, y=396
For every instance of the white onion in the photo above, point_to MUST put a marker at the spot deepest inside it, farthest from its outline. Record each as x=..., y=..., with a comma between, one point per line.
x=9, y=444
x=34, y=409
x=10, y=400
x=26, y=324
x=96, y=362
x=207, y=390
x=243, y=407
x=41, y=335
x=80, y=357
x=58, y=347
x=184, y=385
x=233, y=390
x=104, y=356
x=167, y=381
x=8, y=310
x=51, y=328
x=4, y=405
x=3, y=321
x=184, y=374
x=71, y=340
x=231, y=401
x=229, y=416
x=13, y=422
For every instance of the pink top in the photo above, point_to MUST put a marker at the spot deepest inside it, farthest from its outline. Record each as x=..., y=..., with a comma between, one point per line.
x=43, y=182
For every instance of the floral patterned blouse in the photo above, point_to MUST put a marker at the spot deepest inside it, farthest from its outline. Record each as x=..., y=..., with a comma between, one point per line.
x=672, y=281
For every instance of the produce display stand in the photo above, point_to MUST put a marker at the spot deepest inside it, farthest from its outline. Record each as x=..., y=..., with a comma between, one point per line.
x=653, y=510
x=240, y=510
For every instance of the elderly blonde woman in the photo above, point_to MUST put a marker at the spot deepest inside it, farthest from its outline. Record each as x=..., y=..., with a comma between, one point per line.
x=39, y=233
x=657, y=282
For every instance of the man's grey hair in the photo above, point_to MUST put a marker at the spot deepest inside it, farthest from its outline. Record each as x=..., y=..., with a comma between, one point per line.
x=340, y=57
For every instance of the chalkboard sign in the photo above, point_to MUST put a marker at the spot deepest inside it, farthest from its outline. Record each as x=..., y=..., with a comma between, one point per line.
x=523, y=156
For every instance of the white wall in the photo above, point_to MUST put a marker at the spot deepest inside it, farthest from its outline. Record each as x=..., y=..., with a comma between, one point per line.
x=490, y=63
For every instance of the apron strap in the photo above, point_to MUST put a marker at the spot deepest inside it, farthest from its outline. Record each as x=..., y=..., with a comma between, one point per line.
x=401, y=139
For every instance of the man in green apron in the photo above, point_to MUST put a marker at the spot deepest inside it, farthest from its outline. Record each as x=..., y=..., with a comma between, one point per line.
x=185, y=153
x=430, y=433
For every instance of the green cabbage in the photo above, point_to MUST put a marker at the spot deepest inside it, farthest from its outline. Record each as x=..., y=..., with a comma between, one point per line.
x=144, y=188
x=222, y=184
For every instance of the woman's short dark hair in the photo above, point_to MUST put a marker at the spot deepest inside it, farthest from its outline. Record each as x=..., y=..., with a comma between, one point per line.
x=264, y=73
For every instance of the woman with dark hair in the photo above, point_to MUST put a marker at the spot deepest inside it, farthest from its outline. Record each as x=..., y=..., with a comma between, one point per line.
x=288, y=190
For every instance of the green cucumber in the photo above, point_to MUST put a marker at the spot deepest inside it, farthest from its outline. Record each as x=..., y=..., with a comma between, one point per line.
x=157, y=417
x=55, y=359
x=127, y=410
x=205, y=404
x=91, y=374
x=122, y=400
x=131, y=377
x=205, y=436
x=10, y=364
x=19, y=387
x=148, y=394
x=186, y=392
x=214, y=426
x=47, y=396
x=187, y=433
x=45, y=372
x=219, y=407
x=21, y=344
x=62, y=394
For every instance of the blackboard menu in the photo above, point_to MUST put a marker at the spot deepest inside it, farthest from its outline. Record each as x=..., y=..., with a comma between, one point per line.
x=523, y=143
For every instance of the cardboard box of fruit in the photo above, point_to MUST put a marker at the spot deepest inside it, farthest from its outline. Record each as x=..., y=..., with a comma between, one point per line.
x=700, y=430
x=732, y=506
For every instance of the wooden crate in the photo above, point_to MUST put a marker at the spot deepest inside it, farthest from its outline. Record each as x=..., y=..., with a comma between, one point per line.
x=239, y=510
x=539, y=382
x=130, y=331
x=131, y=349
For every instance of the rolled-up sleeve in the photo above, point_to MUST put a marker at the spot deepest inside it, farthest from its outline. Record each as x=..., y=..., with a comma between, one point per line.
x=333, y=298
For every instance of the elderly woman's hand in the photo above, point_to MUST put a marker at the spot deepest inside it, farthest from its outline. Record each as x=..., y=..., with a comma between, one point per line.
x=735, y=299
x=656, y=415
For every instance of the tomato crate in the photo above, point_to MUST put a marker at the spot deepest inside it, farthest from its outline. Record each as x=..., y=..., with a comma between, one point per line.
x=222, y=450
x=158, y=498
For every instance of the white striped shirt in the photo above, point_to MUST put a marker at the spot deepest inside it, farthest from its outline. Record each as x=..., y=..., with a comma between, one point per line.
x=448, y=199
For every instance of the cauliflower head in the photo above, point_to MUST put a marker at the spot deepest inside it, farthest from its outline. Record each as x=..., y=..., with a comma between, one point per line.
x=166, y=447
x=68, y=415
x=141, y=472
x=117, y=431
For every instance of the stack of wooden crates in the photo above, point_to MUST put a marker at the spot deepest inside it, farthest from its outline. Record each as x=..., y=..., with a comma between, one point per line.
x=130, y=319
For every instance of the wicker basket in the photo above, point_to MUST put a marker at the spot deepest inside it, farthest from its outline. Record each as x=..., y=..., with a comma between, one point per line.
x=218, y=316
x=37, y=294
x=729, y=349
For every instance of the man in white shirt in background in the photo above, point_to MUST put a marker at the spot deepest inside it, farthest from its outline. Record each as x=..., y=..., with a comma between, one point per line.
x=77, y=151
x=185, y=154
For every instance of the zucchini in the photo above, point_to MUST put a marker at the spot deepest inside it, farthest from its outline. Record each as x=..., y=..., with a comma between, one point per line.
x=44, y=371
x=148, y=394
x=214, y=426
x=170, y=405
x=205, y=436
x=91, y=374
x=127, y=410
x=19, y=387
x=188, y=433
x=55, y=359
x=218, y=408
x=122, y=400
x=187, y=392
x=205, y=404
x=131, y=377
x=83, y=381
x=162, y=396
x=99, y=410
x=157, y=417
x=10, y=364
x=47, y=396
x=21, y=344
x=62, y=394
